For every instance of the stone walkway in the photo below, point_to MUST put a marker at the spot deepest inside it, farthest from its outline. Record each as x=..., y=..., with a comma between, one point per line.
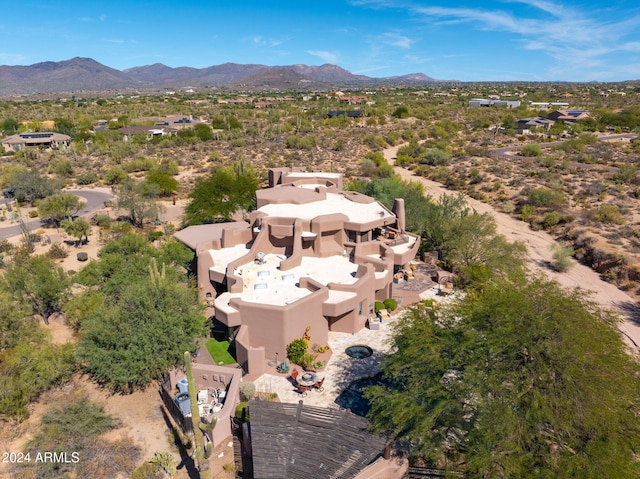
x=341, y=370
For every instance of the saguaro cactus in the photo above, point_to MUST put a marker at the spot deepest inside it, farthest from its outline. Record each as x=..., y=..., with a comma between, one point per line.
x=200, y=456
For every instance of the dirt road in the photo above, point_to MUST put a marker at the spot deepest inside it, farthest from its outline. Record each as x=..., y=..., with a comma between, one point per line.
x=540, y=255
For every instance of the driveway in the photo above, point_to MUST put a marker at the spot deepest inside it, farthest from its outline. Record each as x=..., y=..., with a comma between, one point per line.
x=94, y=201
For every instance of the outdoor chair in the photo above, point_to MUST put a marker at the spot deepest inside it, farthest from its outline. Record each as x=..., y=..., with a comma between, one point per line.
x=302, y=391
x=384, y=315
x=294, y=375
x=318, y=385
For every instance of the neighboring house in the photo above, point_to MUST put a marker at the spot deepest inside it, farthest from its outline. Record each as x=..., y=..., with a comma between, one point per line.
x=348, y=113
x=354, y=100
x=569, y=115
x=545, y=105
x=526, y=124
x=44, y=139
x=476, y=102
x=149, y=131
x=311, y=255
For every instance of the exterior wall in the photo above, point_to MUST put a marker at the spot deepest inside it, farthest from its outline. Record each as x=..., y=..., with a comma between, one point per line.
x=273, y=327
x=209, y=376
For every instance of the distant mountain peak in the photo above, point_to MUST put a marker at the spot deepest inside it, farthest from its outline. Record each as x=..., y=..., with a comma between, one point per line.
x=86, y=74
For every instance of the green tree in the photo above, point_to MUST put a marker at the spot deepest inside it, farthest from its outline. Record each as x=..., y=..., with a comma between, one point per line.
x=16, y=322
x=221, y=194
x=78, y=228
x=140, y=201
x=473, y=248
x=164, y=183
x=115, y=175
x=27, y=371
x=141, y=334
x=500, y=385
x=9, y=126
x=60, y=206
x=38, y=282
x=30, y=185
x=203, y=131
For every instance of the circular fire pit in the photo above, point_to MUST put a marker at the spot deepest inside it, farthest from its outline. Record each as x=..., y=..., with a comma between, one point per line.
x=359, y=351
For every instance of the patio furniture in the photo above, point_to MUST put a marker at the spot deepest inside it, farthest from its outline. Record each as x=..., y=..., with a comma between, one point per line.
x=318, y=385
x=294, y=375
x=302, y=391
x=307, y=379
x=383, y=314
x=373, y=323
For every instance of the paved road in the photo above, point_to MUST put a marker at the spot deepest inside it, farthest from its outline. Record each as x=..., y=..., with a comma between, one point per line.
x=94, y=201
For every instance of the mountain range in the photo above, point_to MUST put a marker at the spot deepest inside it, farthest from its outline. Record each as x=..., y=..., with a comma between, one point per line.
x=85, y=75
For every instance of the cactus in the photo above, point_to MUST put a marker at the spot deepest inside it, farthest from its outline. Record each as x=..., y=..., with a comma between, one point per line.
x=204, y=427
x=157, y=276
x=200, y=451
x=208, y=449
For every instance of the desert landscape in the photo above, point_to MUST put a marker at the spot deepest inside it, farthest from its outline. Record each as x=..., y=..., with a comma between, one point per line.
x=574, y=187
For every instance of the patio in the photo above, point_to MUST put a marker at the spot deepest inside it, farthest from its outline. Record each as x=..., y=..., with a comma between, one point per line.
x=341, y=370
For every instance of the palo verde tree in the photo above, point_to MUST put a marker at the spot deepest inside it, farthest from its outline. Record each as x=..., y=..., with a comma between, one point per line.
x=220, y=195
x=140, y=200
x=518, y=379
x=60, y=206
x=36, y=281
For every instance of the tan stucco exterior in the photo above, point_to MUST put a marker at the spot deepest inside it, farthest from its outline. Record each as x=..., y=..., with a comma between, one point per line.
x=311, y=255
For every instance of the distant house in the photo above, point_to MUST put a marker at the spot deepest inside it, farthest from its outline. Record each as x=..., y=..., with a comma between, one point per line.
x=569, y=115
x=475, y=102
x=354, y=100
x=44, y=139
x=526, y=124
x=149, y=131
x=545, y=105
x=347, y=113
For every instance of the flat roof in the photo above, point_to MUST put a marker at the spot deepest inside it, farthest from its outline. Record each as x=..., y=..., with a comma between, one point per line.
x=334, y=203
x=266, y=283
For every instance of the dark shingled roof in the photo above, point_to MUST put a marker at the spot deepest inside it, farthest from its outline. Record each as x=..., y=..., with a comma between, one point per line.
x=298, y=441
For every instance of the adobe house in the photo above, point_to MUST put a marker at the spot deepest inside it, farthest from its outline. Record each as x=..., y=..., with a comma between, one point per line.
x=311, y=255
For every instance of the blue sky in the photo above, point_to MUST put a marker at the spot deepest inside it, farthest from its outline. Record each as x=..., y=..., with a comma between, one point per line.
x=534, y=40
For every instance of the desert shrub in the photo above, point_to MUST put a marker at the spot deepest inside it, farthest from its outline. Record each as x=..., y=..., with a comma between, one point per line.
x=57, y=251
x=242, y=411
x=610, y=214
x=33, y=214
x=435, y=157
x=378, y=306
x=532, y=149
x=307, y=360
x=296, y=349
x=148, y=471
x=562, y=257
x=545, y=197
x=87, y=178
x=550, y=219
x=391, y=304
x=103, y=220
x=527, y=212
x=247, y=391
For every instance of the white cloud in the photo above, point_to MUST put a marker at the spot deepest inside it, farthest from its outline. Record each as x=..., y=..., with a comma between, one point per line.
x=397, y=40
x=576, y=38
x=266, y=42
x=328, y=57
